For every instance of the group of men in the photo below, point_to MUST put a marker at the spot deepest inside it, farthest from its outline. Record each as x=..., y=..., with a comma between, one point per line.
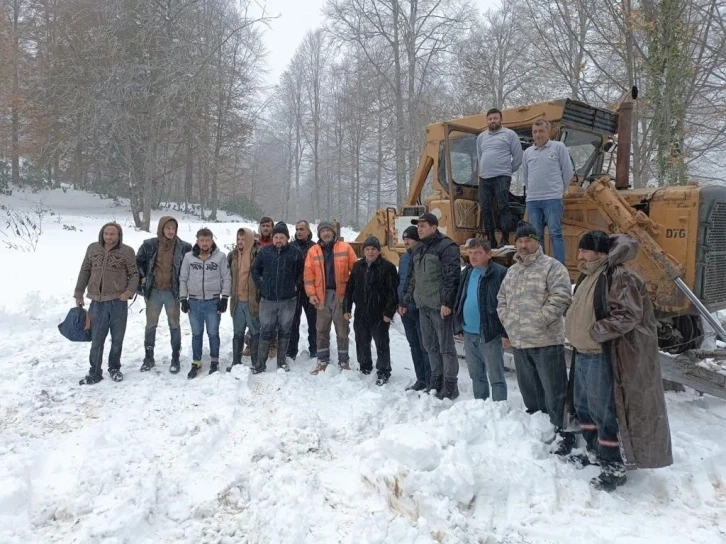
x=546, y=173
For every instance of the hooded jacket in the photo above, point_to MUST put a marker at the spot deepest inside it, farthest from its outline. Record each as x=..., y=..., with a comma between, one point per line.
x=146, y=259
x=625, y=326
x=343, y=259
x=249, y=253
x=533, y=299
x=108, y=274
x=435, y=273
x=278, y=272
x=487, y=290
x=204, y=279
x=372, y=288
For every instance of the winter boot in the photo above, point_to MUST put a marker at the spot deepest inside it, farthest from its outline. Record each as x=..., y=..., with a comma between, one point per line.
x=196, y=366
x=418, y=386
x=582, y=460
x=505, y=239
x=90, y=379
x=612, y=474
x=174, y=366
x=214, y=367
x=236, y=353
x=564, y=444
x=382, y=379
x=344, y=365
x=320, y=368
x=282, y=344
x=365, y=371
x=436, y=384
x=263, y=351
x=450, y=390
x=492, y=239
x=116, y=375
x=149, y=362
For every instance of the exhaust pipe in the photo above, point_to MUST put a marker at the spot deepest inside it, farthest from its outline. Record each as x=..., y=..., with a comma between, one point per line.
x=625, y=132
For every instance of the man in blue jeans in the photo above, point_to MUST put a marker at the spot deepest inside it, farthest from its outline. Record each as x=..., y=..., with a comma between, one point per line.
x=204, y=287
x=476, y=315
x=410, y=319
x=546, y=172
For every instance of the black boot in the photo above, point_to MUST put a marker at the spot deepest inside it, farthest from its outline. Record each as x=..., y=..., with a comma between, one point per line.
x=565, y=443
x=492, y=239
x=282, y=344
x=194, y=370
x=436, y=384
x=149, y=362
x=260, y=350
x=450, y=390
x=418, y=386
x=505, y=239
x=116, y=375
x=90, y=379
x=214, y=367
x=612, y=474
x=174, y=366
x=236, y=352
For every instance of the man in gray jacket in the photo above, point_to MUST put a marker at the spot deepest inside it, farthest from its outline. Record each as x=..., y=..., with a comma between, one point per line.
x=204, y=286
x=546, y=172
x=500, y=155
x=532, y=301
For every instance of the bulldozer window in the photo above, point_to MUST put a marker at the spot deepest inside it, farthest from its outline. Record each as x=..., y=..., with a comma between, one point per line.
x=464, y=162
x=584, y=150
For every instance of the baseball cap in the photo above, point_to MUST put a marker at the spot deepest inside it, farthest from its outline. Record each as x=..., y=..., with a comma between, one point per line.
x=430, y=218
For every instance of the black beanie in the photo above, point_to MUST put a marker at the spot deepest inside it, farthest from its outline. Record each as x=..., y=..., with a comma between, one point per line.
x=595, y=240
x=411, y=232
x=281, y=228
x=372, y=241
x=526, y=230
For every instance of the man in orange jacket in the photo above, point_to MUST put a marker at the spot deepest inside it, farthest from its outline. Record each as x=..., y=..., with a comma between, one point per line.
x=327, y=269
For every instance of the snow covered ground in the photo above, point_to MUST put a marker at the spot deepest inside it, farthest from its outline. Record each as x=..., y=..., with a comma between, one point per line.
x=291, y=458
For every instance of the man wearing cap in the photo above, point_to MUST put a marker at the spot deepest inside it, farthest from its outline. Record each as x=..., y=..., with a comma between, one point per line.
x=500, y=155
x=304, y=241
x=372, y=288
x=410, y=318
x=546, y=173
x=532, y=300
x=612, y=328
x=327, y=271
x=432, y=285
x=277, y=271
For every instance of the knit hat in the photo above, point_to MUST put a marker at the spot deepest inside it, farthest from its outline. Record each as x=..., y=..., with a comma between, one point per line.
x=412, y=233
x=372, y=241
x=526, y=230
x=595, y=240
x=281, y=228
x=325, y=225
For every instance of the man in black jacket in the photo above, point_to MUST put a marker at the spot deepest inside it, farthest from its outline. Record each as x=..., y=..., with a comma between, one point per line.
x=159, y=262
x=432, y=284
x=277, y=273
x=478, y=322
x=303, y=241
x=372, y=288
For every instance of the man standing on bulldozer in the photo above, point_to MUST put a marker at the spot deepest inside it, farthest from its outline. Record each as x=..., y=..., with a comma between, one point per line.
x=500, y=155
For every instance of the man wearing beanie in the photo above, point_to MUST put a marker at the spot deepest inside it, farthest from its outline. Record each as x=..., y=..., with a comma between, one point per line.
x=410, y=318
x=532, y=300
x=277, y=271
x=372, y=288
x=327, y=271
x=432, y=285
x=612, y=328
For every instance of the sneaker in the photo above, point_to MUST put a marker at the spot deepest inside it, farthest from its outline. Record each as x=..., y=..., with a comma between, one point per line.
x=90, y=379
x=116, y=375
x=174, y=367
x=565, y=441
x=284, y=366
x=611, y=476
x=418, y=386
x=194, y=370
x=382, y=380
x=344, y=366
x=214, y=367
x=318, y=369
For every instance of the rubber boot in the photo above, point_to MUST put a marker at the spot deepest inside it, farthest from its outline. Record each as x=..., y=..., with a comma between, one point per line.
x=149, y=362
x=436, y=384
x=175, y=365
x=282, y=344
x=236, y=352
x=263, y=350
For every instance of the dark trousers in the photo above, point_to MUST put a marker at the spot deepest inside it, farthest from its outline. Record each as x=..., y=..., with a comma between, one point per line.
x=411, y=325
x=157, y=301
x=595, y=405
x=542, y=379
x=495, y=192
x=276, y=318
x=311, y=315
x=376, y=330
x=109, y=316
x=438, y=340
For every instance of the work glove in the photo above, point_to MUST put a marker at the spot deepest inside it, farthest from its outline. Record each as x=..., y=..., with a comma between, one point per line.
x=184, y=305
x=222, y=305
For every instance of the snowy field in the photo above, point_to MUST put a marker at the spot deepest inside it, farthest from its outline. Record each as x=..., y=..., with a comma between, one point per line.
x=291, y=458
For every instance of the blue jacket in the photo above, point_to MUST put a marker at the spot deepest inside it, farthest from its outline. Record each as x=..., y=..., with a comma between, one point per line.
x=404, y=269
x=277, y=273
x=489, y=284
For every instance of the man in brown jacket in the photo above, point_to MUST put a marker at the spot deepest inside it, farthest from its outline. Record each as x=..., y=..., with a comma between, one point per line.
x=618, y=389
x=245, y=298
x=109, y=273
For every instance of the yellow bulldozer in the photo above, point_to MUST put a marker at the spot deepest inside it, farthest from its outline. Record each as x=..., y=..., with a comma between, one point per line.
x=681, y=229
